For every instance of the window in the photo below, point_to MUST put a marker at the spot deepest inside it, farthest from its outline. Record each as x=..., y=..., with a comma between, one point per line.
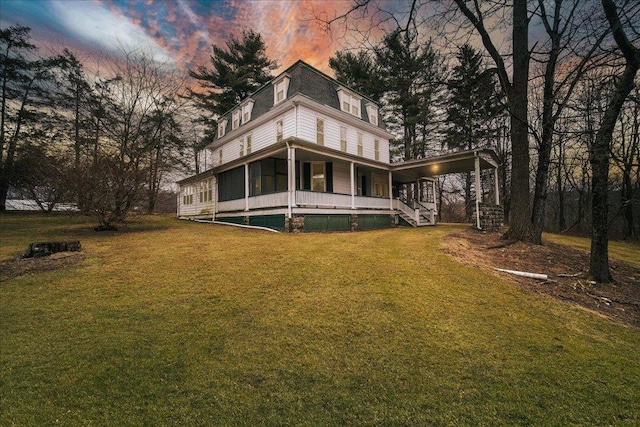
x=343, y=138
x=280, y=89
x=279, y=131
x=268, y=176
x=231, y=184
x=206, y=191
x=320, y=131
x=248, y=147
x=380, y=190
x=255, y=187
x=220, y=156
x=360, y=148
x=372, y=113
x=187, y=195
x=317, y=176
x=241, y=148
x=376, y=149
x=247, y=107
x=349, y=102
x=222, y=127
x=235, y=123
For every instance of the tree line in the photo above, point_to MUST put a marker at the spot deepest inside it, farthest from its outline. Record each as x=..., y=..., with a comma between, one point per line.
x=561, y=111
x=567, y=83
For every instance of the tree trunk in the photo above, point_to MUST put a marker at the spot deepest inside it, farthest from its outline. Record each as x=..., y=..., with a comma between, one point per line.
x=599, y=154
x=520, y=227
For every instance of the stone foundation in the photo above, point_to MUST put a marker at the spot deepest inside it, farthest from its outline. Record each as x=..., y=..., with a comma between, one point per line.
x=491, y=217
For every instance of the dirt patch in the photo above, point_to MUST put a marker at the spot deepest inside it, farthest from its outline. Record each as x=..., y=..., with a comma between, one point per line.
x=565, y=267
x=20, y=266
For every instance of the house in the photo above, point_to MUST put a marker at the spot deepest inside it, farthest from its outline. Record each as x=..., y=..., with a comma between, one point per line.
x=306, y=153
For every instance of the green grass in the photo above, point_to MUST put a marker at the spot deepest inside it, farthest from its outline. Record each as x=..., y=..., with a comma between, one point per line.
x=618, y=250
x=178, y=323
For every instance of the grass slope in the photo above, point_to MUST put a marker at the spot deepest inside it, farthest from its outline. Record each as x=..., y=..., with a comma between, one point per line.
x=174, y=322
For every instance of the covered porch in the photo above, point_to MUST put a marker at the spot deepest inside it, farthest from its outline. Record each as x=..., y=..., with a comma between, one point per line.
x=415, y=179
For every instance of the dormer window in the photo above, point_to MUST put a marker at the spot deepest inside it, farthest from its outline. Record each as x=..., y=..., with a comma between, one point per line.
x=349, y=102
x=280, y=88
x=235, y=117
x=247, y=107
x=222, y=127
x=372, y=112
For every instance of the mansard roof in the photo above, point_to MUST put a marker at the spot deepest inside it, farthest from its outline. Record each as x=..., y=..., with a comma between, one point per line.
x=308, y=81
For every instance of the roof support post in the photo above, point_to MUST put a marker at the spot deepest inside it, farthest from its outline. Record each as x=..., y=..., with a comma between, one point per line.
x=390, y=191
x=353, y=185
x=497, y=185
x=290, y=172
x=478, y=189
x=246, y=186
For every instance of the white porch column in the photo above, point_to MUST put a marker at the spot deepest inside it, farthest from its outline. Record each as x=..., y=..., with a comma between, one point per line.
x=293, y=177
x=246, y=186
x=390, y=191
x=478, y=189
x=353, y=185
x=497, y=185
x=289, y=180
x=214, y=190
x=435, y=199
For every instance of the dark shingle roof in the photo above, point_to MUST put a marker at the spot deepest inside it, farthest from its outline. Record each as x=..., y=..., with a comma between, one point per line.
x=309, y=82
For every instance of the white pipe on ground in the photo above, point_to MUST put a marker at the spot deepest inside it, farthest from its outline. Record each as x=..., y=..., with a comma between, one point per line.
x=524, y=274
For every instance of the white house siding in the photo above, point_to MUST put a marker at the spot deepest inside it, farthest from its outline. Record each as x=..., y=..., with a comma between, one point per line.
x=341, y=178
x=197, y=208
x=307, y=131
x=261, y=137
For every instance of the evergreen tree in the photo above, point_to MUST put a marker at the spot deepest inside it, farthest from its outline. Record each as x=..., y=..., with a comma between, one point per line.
x=236, y=71
x=413, y=78
x=358, y=71
x=25, y=97
x=473, y=105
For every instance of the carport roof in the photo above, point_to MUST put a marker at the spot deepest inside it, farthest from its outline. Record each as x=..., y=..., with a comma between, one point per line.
x=461, y=161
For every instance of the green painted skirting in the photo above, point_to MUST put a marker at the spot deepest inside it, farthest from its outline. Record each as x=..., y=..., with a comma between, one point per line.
x=327, y=223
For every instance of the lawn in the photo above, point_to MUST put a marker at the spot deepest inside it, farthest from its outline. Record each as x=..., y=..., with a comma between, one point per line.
x=169, y=322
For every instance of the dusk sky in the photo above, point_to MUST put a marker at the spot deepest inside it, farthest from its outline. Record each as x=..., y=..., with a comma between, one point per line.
x=178, y=31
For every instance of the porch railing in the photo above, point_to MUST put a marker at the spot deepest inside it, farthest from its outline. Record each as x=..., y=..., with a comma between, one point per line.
x=312, y=198
x=231, y=205
x=268, y=201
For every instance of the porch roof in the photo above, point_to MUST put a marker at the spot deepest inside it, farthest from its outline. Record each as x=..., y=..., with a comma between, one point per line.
x=461, y=161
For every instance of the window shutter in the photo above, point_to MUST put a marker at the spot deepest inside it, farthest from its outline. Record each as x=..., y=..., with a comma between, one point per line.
x=329, y=176
x=306, y=176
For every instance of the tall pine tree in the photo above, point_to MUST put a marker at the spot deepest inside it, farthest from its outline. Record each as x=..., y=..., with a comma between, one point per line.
x=236, y=71
x=473, y=104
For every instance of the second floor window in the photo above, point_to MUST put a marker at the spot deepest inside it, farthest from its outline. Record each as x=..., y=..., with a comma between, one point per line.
x=241, y=148
x=220, y=156
x=279, y=131
x=320, y=131
x=376, y=149
x=343, y=138
x=360, y=146
x=248, y=147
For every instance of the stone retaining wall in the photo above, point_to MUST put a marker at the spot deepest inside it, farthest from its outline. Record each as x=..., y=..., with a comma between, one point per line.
x=491, y=217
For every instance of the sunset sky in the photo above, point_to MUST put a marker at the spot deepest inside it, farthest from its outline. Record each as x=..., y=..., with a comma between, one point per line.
x=178, y=31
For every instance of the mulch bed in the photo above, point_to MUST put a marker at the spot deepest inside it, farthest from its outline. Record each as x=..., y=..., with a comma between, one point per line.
x=20, y=266
x=565, y=267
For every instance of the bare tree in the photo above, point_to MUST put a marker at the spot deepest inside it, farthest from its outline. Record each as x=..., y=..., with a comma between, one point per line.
x=600, y=150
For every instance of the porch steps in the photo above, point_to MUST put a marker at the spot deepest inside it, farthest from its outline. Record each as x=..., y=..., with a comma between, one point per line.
x=424, y=219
